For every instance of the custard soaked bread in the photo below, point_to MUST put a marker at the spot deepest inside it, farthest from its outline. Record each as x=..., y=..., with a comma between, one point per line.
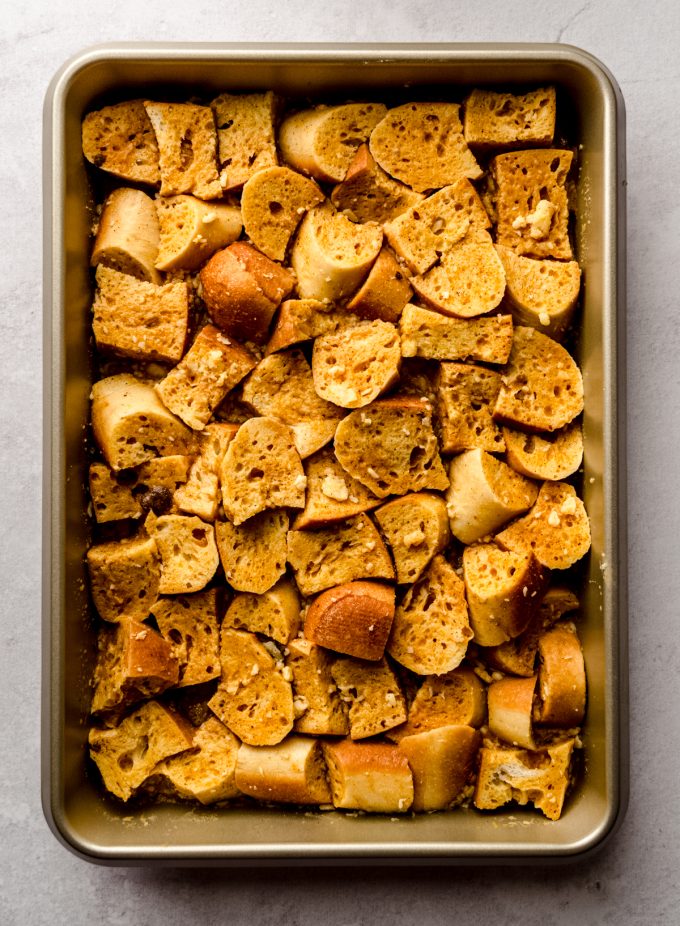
x=332, y=428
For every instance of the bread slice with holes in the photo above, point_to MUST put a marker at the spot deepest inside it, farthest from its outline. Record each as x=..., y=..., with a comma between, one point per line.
x=332, y=494
x=416, y=528
x=124, y=577
x=509, y=120
x=205, y=773
x=371, y=690
x=373, y=777
x=120, y=140
x=466, y=397
x=384, y=292
x=454, y=698
x=191, y=230
x=352, y=367
x=545, y=456
x=390, y=447
x=261, y=470
x=245, y=134
x=189, y=624
x=273, y=203
x=187, y=148
x=353, y=618
x=137, y=319
x=332, y=256
x=540, y=294
x=212, y=366
x=430, y=228
x=433, y=336
x=200, y=494
x=253, y=554
x=442, y=762
x=322, y=142
x=188, y=553
x=128, y=235
x=431, y=630
x=434, y=131
x=321, y=710
x=274, y=613
x=253, y=698
x=301, y=320
x=132, y=492
x=293, y=772
x=542, y=388
x=368, y=194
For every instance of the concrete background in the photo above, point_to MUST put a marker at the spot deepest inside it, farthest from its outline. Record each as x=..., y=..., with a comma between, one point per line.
x=635, y=880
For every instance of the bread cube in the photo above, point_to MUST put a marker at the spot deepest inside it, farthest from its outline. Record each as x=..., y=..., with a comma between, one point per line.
x=561, y=677
x=200, y=494
x=253, y=554
x=189, y=624
x=434, y=336
x=551, y=456
x=332, y=494
x=187, y=147
x=191, y=230
x=187, y=550
x=384, y=292
x=245, y=132
x=128, y=235
x=130, y=493
x=303, y=319
x=371, y=690
x=274, y=613
x=509, y=120
x=120, y=140
x=207, y=772
x=319, y=708
x=353, y=618
x=124, y=577
x=511, y=707
x=374, y=777
x=292, y=772
x=273, y=203
x=416, y=527
x=368, y=194
x=454, y=698
x=441, y=761
x=466, y=396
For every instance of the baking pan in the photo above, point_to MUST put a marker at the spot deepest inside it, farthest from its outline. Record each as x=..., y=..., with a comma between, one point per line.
x=78, y=812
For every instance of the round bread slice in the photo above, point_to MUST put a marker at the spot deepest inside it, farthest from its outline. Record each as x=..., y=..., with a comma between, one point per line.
x=416, y=527
x=511, y=704
x=552, y=457
x=253, y=554
x=128, y=235
x=561, y=677
x=273, y=203
x=354, y=366
x=457, y=697
x=354, y=618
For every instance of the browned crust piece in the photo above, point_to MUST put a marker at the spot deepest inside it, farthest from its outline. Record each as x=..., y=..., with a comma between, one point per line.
x=374, y=777
x=384, y=292
x=292, y=772
x=441, y=761
x=354, y=618
x=511, y=706
x=561, y=677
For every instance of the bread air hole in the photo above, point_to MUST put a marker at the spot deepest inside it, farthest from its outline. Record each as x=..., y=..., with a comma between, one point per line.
x=275, y=208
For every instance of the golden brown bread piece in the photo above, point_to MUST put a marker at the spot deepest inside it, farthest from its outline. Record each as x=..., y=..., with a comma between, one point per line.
x=353, y=618
x=206, y=772
x=368, y=194
x=120, y=139
x=187, y=148
x=441, y=761
x=188, y=553
x=374, y=777
x=303, y=319
x=274, y=613
x=332, y=494
x=319, y=708
x=456, y=697
x=545, y=456
x=191, y=230
x=416, y=527
x=511, y=706
x=384, y=292
x=200, y=494
x=292, y=772
x=245, y=133
x=253, y=554
x=124, y=577
x=429, y=334
x=509, y=120
x=466, y=396
x=371, y=690
x=128, y=235
x=189, y=624
x=561, y=677
x=273, y=203
x=130, y=493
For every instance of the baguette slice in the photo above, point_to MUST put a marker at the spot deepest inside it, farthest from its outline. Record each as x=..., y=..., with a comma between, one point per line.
x=253, y=554
x=511, y=704
x=466, y=396
x=332, y=494
x=431, y=631
x=245, y=134
x=373, y=777
x=304, y=319
x=124, y=577
x=371, y=690
x=273, y=203
x=484, y=493
x=542, y=389
x=322, y=142
x=561, y=677
x=310, y=436
x=368, y=194
x=551, y=457
x=353, y=618
x=431, y=335
x=455, y=698
x=120, y=140
x=206, y=773
x=192, y=230
x=261, y=469
x=131, y=492
x=200, y=493
x=187, y=147
x=187, y=550
x=321, y=710
x=508, y=120
x=292, y=772
x=416, y=527
x=385, y=291
x=434, y=131
x=128, y=235
x=189, y=624
x=441, y=761
x=390, y=447
x=556, y=530
x=274, y=613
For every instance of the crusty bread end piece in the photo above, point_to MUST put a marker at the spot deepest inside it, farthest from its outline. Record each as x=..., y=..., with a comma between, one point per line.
x=292, y=772
x=441, y=761
x=373, y=777
x=354, y=618
x=128, y=235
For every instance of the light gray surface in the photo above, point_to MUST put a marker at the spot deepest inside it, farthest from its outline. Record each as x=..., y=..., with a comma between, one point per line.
x=635, y=880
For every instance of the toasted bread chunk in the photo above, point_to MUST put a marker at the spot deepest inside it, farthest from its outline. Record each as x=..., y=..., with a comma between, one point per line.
x=457, y=697
x=310, y=436
x=484, y=493
x=552, y=457
x=540, y=293
x=503, y=591
x=130, y=493
x=540, y=776
x=556, y=530
x=322, y=142
x=416, y=527
x=509, y=120
x=245, y=133
x=354, y=618
x=187, y=550
x=187, y=146
x=332, y=494
x=511, y=705
x=374, y=777
x=561, y=677
x=434, y=131
x=341, y=553
x=189, y=624
x=138, y=319
x=207, y=772
x=385, y=291
x=531, y=202
x=431, y=631
x=331, y=255
x=354, y=366
x=128, y=235
x=304, y=319
x=466, y=396
x=127, y=754
x=441, y=761
x=120, y=139
x=429, y=229
x=293, y=772
x=433, y=336
x=191, y=230
x=261, y=469
x=274, y=613
x=124, y=577
x=241, y=289
x=213, y=365
x=469, y=281
x=253, y=554
x=368, y=194
x=273, y=203
x=557, y=602
x=321, y=710
x=133, y=663
x=200, y=494
x=390, y=447
x=371, y=690
x=131, y=425
x=542, y=389
x=253, y=698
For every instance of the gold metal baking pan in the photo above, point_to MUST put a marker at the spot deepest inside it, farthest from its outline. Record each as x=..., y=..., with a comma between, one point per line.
x=75, y=806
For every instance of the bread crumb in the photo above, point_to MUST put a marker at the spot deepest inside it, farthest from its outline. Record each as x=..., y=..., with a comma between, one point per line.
x=554, y=519
x=414, y=538
x=335, y=487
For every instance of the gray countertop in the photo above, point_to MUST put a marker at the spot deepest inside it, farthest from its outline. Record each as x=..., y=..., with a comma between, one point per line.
x=635, y=879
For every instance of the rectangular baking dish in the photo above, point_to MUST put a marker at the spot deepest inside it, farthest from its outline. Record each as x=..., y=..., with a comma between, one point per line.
x=75, y=807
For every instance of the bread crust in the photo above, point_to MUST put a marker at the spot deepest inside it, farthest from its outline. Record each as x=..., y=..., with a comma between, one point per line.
x=441, y=762
x=353, y=618
x=374, y=777
x=511, y=704
x=128, y=235
x=191, y=230
x=292, y=772
x=561, y=677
